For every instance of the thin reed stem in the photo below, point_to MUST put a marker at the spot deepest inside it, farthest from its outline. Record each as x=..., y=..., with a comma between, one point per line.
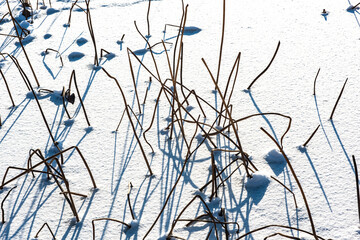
x=128, y=198
x=50, y=49
x=278, y=226
x=22, y=46
x=134, y=82
x=147, y=18
x=307, y=141
x=73, y=76
x=221, y=43
x=131, y=122
x=277, y=48
x=297, y=181
x=357, y=185
x=106, y=219
x=337, y=101
x=45, y=224
x=315, y=81
x=2, y=205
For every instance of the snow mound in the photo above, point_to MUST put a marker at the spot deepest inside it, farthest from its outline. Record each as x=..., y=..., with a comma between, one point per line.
x=191, y=30
x=47, y=36
x=274, y=156
x=81, y=41
x=25, y=41
x=140, y=52
x=51, y=11
x=74, y=56
x=259, y=179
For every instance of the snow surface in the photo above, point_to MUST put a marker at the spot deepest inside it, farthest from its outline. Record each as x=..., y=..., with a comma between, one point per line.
x=309, y=41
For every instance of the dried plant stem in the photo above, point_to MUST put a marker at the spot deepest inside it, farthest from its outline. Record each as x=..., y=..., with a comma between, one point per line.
x=186, y=206
x=21, y=71
x=48, y=159
x=357, y=185
x=102, y=51
x=135, y=116
x=259, y=114
x=7, y=87
x=72, y=6
x=74, y=193
x=203, y=187
x=2, y=205
x=236, y=64
x=173, y=188
x=221, y=43
x=128, y=198
x=307, y=141
x=45, y=224
x=153, y=118
x=208, y=236
x=283, y=235
x=337, y=101
x=22, y=46
x=286, y=189
x=297, y=181
x=147, y=90
x=122, y=116
x=4, y=16
x=8, y=35
x=147, y=18
x=73, y=76
x=315, y=82
x=134, y=82
x=131, y=122
x=277, y=48
x=181, y=69
x=278, y=226
x=227, y=178
x=228, y=113
x=210, y=221
x=91, y=30
x=50, y=49
x=106, y=219
x=69, y=198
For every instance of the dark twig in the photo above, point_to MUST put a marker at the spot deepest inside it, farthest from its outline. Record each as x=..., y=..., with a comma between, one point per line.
x=2, y=205
x=297, y=181
x=283, y=235
x=277, y=48
x=337, y=101
x=128, y=197
x=286, y=189
x=357, y=185
x=134, y=81
x=147, y=18
x=278, y=226
x=45, y=224
x=73, y=76
x=22, y=46
x=221, y=43
x=307, y=141
x=103, y=51
x=50, y=49
x=106, y=219
x=315, y=82
x=131, y=122
x=147, y=89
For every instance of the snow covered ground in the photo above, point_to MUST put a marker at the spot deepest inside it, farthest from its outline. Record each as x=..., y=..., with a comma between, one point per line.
x=308, y=41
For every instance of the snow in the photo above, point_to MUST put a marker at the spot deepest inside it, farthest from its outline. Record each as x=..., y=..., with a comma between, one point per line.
x=258, y=180
x=309, y=40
